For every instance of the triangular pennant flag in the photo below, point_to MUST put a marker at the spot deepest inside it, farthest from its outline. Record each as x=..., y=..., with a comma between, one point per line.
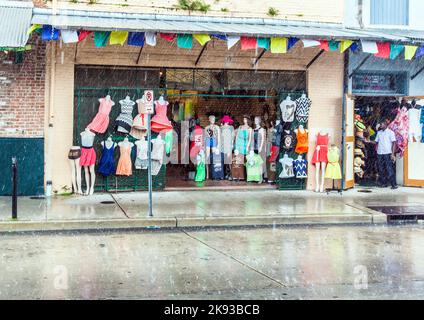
x=395, y=50
x=49, y=33
x=231, y=41
x=345, y=44
x=69, y=36
x=202, y=38
x=248, y=43
x=185, y=41
x=135, y=39
x=168, y=36
x=420, y=52
x=100, y=38
x=324, y=45
x=278, y=45
x=333, y=45
x=33, y=28
x=82, y=34
x=118, y=37
x=291, y=42
x=263, y=43
x=410, y=52
x=354, y=47
x=383, y=50
x=310, y=43
x=369, y=46
x=220, y=36
x=151, y=39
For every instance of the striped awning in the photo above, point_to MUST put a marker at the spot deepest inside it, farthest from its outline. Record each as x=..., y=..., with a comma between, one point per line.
x=15, y=19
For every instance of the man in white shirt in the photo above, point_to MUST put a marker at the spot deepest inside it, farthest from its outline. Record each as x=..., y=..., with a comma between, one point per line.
x=386, y=147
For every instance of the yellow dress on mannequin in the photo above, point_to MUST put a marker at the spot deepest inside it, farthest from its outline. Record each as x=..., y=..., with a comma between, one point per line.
x=333, y=170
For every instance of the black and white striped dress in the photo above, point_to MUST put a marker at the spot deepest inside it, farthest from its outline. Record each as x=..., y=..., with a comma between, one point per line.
x=302, y=109
x=124, y=121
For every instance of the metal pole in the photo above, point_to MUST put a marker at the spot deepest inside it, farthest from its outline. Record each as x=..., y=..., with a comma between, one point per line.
x=14, y=189
x=149, y=168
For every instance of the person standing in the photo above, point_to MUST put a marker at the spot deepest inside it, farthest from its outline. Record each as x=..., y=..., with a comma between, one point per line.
x=386, y=158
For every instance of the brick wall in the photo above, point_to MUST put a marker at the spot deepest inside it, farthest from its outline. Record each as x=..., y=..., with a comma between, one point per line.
x=22, y=93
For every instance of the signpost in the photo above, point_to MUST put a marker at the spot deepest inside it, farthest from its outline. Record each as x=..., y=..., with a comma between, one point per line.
x=148, y=102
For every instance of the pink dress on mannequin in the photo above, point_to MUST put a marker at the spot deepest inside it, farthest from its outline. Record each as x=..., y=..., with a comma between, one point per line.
x=100, y=122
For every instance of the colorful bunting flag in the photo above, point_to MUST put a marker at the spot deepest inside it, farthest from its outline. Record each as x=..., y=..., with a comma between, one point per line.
x=100, y=38
x=420, y=52
x=49, y=33
x=410, y=52
x=151, y=38
x=354, y=47
x=69, y=36
x=248, y=43
x=168, y=36
x=369, y=46
x=383, y=50
x=82, y=34
x=263, y=43
x=395, y=50
x=333, y=45
x=345, y=44
x=135, y=39
x=202, y=38
x=310, y=43
x=118, y=37
x=33, y=28
x=278, y=45
x=324, y=45
x=231, y=41
x=291, y=42
x=219, y=36
x=185, y=41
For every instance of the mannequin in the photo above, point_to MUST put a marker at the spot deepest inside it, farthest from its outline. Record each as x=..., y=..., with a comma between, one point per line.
x=74, y=155
x=213, y=137
x=333, y=170
x=288, y=108
x=139, y=127
x=158, y=152
x=259, y=138
x=107, y=162
x=300, y=167
x=100, y=122
x=415, y=130
x=88, y=159
x=124, y=121
x=124, y=167
x=302, y=140
x=319, y=159
x=227, y=144
x=141, y=161
x=287, y=167
x=303, y=105
x=160, y=122
x=244, y=136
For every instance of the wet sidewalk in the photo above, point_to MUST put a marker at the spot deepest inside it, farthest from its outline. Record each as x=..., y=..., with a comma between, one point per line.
x=203, y=208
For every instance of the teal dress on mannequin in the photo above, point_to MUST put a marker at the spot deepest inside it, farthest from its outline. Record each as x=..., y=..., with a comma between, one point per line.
x=242, y=140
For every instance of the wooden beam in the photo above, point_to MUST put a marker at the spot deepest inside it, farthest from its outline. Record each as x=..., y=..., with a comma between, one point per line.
x=201, y=53
x=259, y=57
x=139, y=55
x=315, y=59
x=76, y=52
x=360, y=65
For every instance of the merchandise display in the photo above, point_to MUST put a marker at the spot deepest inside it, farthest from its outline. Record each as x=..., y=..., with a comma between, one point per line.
x=400, y=126
x=139, y=127
x=124, y=167
x=320, y=159
x=288, y=140
x=158, y=153
x=303, y=105
x=288, y=108
x=287, y=167
x=302, y=140
x=415, y=130
x=124, y=121
x=200, y=167
x=159, y=121
x=107, y=161
x=212, y=145
x=141, y=160
x=237, y=166
x=300, y=166
x=100, y=122
x=73, y=156
x=88, y=159
x=333, y=170
x=243, y=137
x=254, y=170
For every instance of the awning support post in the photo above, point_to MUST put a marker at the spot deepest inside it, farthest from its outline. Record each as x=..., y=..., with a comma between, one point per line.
x=360, y=65
x=315, y=59
x=200, y=54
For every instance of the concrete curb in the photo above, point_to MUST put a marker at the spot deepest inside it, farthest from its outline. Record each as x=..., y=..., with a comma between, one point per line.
x=168, y=223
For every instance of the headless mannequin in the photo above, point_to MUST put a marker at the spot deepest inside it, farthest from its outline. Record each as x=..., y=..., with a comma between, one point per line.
x=75, y=172
x=214, y=128
x=141, y=153
x=300, y=129
x=246, y=126
x=161, y=100
x=127, y=101
x=126, y=143
x=108, y=99
x=261, y=143
x=108, y=143
x=90, y=175
x=225, y=127
x=320, y=176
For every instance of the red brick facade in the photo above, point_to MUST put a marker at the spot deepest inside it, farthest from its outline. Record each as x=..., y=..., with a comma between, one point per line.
x=22, y=89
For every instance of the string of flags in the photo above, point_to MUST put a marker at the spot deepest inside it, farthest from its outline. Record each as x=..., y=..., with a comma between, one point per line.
x=385, y=50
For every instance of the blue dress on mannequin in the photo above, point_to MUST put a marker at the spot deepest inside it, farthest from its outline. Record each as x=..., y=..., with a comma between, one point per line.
x=107, y=162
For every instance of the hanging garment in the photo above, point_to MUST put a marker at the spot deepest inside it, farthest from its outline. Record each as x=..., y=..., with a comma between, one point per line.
x=321, y=149
x=227, y=139
x=124, y=167
x=200, y=168
x=242, y=139
x=176, y=111
x=139, y=127
x=415, y=130
x=333, y=170
x=88, y=156
x=188, y=110
x=302, y=141
x=216, y=166
x=254, y=167
x=289, y=140
x=197, y=142
x=212, y=133
x=100, y=122
x=124, y=121
x=271, y=171
x=288, y=108
x=257, y=141
x=237, y=167
x=275, y=151
x=158, y=151
x=160, y=121
x=422, y=125
x=107, y=161
x=270, y=137
x=141, y=160
x=400, y=127
x=74, y=154
x=300, y=168
x=286, y=168
x=303, y=105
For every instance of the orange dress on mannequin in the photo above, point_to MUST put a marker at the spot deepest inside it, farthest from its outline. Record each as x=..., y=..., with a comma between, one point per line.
x=302, y=141
x=124, y=167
